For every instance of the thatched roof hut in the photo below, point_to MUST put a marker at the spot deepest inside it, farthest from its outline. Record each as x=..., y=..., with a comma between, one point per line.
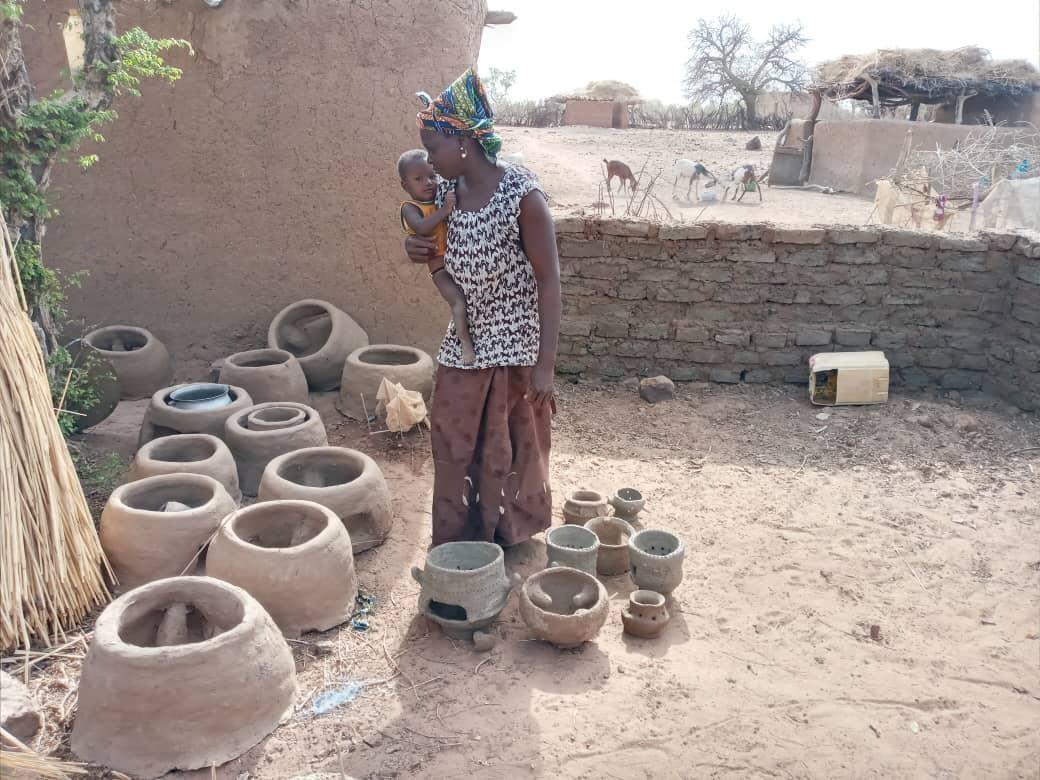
x=600, y=104
x=613, y=91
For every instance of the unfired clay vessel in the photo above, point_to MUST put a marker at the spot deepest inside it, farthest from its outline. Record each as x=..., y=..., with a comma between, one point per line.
x=183, y=673
x=572, y=545
x=564, y=606
x=267, y=375
x=187, y=453
x=583, y=505
x=646, y=614
x=140, y=360
x=366, y=368
x=346, y=481
x=613, y=534
x=627, y=503
x=293, y=557
x=657, y=560
x=464, y=586
x=161, y=419
x=143, y=542
x=262, y=432
x=320, y=336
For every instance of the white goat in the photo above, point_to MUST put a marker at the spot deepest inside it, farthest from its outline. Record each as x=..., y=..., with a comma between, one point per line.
x=688, y=169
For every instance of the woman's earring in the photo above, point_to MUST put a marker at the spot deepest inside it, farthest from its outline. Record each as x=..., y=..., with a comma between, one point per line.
x=462, y=152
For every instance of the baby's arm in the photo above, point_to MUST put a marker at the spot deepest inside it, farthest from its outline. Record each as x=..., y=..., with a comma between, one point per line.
x=424, y=226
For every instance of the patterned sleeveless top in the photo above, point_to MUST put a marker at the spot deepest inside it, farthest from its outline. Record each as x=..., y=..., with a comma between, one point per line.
x=487, y=261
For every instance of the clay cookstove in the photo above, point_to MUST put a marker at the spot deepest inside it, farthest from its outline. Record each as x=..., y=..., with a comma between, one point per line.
x=564, y=606
x=320, y=336
x=366, y=368
x=267, y=375
x=260, y=433
x=140, y=360
x=163, y=419
x=187, y=453
x=657, y=560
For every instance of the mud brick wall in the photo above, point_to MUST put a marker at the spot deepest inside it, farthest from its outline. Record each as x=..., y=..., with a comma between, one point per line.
x=750, y=303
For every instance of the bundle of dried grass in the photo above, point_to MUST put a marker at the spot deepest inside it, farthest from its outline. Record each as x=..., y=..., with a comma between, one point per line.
x=50, y=556
x=18, y=760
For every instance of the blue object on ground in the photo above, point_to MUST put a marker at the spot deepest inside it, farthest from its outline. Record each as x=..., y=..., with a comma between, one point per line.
x=336, y=697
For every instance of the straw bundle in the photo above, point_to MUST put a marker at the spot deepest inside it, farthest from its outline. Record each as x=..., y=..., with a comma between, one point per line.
x=50, y=556
x=18, y=760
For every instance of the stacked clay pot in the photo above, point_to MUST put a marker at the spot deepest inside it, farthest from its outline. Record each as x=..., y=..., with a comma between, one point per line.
x=294, y=557
x=564, y=606
x=320, y=336
x=366, y=368
x=162, y=419
x=346, y=481
x=267, y=375
x=187, y=453
x=139, y=359
x=261, y=432
x=184, y=673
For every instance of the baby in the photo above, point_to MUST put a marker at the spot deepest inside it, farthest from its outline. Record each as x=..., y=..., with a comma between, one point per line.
x=421, y=217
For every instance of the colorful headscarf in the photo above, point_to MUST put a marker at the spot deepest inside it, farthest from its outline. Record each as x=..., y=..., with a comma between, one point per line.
x=463, y=109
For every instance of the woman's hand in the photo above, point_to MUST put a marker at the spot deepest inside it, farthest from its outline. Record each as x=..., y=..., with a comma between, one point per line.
x=540, y=387
x=419, y=248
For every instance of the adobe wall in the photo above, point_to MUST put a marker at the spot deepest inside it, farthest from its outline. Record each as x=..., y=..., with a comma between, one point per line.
x=751, y=303
x=596, y=113
x=265, y=175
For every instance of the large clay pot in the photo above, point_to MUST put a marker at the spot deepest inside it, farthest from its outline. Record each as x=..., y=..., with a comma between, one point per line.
x=184, y=673
x=463, y=587
x=320, y=336
x=572, y=545
x=152, y=528
x=262, y=432
x=613, y=533
x=564, y=606
x=187, y=453
x=346, y=481
x=293, y=557
x=267, y=375
x=366, y=368
x=140, y=360
x=162, y=419
x=646, y=614
x=94, y=370
x=657, y=560
x=583, y=505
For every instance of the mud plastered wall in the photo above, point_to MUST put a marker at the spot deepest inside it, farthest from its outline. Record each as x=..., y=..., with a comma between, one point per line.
x=751, y=303
x=265, y=175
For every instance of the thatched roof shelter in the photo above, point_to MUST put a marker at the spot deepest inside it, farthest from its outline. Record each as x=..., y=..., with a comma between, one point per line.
x=614, y=91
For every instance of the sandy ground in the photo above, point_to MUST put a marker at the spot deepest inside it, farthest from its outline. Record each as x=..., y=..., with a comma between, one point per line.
x=920, y=516
x=568, y=161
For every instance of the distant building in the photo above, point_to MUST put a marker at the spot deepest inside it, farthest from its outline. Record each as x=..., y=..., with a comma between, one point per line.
x=600, y=104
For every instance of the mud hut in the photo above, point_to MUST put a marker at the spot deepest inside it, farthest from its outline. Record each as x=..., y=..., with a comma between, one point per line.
x=600, y=104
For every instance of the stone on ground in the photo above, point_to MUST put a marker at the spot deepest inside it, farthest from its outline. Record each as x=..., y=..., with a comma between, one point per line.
x=19, y=715
x=656, y=389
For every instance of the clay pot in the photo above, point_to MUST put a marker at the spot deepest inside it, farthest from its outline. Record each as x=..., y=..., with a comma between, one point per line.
x=366, y=368
x=646, y=614
x=572, y=545
x=262, y=432
x=140, y=360
x=657, y=560
x=267, y=375
x=98, y=373
x=187, y=453
x=346, y=481
x=627, y=503
x=613, y=534
x=564, y=606
x=161, y=419
x=320, y=336
x=583, y=505
x=184, y=673
x=145, y=543
x=293, y=557
x=464, y=586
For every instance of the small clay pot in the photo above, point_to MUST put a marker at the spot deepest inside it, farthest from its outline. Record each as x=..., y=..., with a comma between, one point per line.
x=267, y=375
x=144, y=540
x=162, y=419
x=294, y=557
x=140, y=360
x=284, y=427
x=187, y=453
x=564, y=606
x=320, y=336
x=583, y=505
x=627, y=503
x=185, y=673
x=346, y=481
x=613, y=534
x=646, y=614
x=657, y=560
x=572, y=545
x=366, y=368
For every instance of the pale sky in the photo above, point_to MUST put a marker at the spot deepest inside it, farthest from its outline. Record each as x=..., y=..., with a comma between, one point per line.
x=560, y=45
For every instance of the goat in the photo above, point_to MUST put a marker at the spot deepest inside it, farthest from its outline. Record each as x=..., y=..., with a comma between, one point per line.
x=622, y=172
x=688, y=169
x=745, y=180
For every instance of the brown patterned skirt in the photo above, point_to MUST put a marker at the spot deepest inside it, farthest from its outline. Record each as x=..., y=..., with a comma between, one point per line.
x=491, y=457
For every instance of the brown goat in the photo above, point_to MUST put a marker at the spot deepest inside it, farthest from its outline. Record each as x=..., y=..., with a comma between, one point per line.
x=622, y=172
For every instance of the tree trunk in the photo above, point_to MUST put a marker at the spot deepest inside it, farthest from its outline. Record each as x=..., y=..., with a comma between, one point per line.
x=875, y=95
x=915, y=107
x=751, y=110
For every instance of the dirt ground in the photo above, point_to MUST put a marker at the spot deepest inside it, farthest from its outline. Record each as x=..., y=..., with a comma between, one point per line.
x=920, y=517
x=568, y=160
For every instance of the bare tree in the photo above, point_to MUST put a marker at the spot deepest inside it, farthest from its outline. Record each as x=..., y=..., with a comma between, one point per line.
x=498, y=82
x=726, y=61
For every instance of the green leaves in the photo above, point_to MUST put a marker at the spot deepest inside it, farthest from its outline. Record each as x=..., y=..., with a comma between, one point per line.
x=140, y=57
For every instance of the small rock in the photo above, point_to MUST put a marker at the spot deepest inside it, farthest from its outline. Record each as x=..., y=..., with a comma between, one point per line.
x=373, y=741
x=823, y=416
x=656, y=389
x=923, y=420
x=19, y=715
x=875, y=632
x=754, y=145
x=483, y=641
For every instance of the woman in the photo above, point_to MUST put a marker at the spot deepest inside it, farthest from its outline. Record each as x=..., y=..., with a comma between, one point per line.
x=490, y=420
